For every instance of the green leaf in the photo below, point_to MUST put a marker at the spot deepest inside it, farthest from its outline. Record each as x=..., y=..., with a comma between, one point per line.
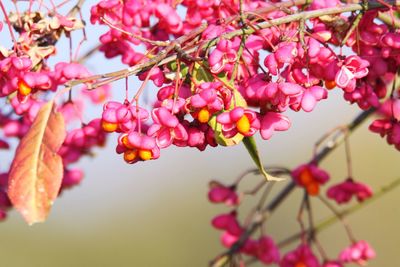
x=173, y=67
x=201, y=73
x=251, y=147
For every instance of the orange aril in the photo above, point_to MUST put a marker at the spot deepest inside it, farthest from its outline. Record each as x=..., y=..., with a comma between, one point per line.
x=243, y=125
x=203, y=116
x=145, y=154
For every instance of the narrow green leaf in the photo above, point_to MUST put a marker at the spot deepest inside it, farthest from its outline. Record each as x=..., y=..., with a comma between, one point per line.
x=251, y=147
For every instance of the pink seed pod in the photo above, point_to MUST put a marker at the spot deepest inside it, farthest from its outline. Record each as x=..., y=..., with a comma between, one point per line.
x=227, y=222
x=286, y=53
x=123, y=114
x=271, y=64
x=110, y=115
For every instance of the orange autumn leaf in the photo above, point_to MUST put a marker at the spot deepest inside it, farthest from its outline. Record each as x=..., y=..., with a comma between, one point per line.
x=37, y=170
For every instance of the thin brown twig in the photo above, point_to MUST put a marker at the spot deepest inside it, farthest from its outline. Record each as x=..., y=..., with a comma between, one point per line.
x=76, y=8
x=143, y=39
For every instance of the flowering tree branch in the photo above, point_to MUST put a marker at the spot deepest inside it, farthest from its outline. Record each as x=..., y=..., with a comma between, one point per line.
x=266, y=212
x=224, y=71
x=325, y=223
x=165, y=57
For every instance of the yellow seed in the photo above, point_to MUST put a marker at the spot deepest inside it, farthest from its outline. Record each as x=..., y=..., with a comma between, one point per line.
x=130, y=155
x=243, y=125
x=109, y=127
x=145, y=154
x=126, y=143
x=23, y=88
x=204, y=115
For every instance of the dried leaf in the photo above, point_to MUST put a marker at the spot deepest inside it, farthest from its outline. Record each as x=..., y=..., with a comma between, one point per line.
x=37, y=170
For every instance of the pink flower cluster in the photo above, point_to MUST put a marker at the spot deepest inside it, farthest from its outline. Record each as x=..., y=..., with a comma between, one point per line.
x=302, y=256
x=389, y=125
x=220, y=193
x=310, y=177
x=16, y=75
x=19, y=75
x=263, y=248
x=343, y=192
x=379, y=46
x=359, y=253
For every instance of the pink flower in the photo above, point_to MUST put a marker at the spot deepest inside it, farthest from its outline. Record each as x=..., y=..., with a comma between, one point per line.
x=37, y=80
x=308, y=100
x=64, y=72
x=283, y=95
x=99, y=95
x=118, y=117
x=166, y=128
x=272, y=121
x=137, y=147
x=239, y=120
x=228, y=239
x=169, y=18
x=271, y=64
x=302, y=256
x=220, y=193
x=332, y=264
x=343, y=192
x=310, y=177
x=364, y=95
x=390, y=108
x=319, y=4
x=199, y=136
x=227, y=222
x=79, y=141
x=72, y=111
x=359, y=253
x=389, y=128
x=266, y=250
x=286, y=53
x=223, y=57
x=71, y=178
x=156, y=75
x=353, y=68
x=206, y=101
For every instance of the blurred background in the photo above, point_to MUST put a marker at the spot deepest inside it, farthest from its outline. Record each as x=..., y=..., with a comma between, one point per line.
x=157, y=213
